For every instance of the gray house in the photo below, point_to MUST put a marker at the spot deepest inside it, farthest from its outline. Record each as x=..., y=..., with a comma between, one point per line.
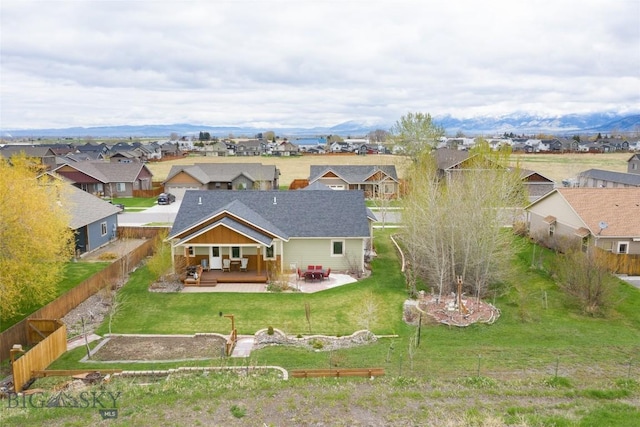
x=93, y=220
x=221, y=176
x=599, y=178
x=284, y=229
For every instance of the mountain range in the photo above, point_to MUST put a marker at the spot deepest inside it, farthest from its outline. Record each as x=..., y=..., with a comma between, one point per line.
x=518, y=123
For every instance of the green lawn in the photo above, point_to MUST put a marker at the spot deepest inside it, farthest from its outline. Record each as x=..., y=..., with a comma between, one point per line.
x=136, y=203
x=540, y=364
x=530, y=336
x=74, y=274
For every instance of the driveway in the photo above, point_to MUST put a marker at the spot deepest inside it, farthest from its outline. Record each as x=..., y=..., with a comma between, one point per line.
x=632, y=280
x=158, y=214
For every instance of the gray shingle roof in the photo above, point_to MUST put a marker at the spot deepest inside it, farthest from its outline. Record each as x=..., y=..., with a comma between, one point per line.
x=86, y=208
x=619, y=177
x=225, y=172
x=284, y=213
x=110, y=172
x=356, y=174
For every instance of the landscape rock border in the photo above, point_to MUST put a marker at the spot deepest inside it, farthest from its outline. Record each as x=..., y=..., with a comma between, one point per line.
x=313, y=342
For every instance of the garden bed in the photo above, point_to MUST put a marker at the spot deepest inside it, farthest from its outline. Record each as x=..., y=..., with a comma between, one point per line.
x=159, y=347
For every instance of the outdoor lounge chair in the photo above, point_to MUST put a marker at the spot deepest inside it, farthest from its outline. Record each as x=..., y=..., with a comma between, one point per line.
x=325, y=275
x=244, y=262
x=226, y=265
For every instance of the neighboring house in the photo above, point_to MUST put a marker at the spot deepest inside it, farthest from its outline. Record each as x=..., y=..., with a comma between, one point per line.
x=251, y=147
x=283, y=229
x=536, y=184
x=218, y=149
x=633, y=164
x=599, y=178
x=93, y=220
x=221, y=176
x=286, y=149
x=451, y=162
x=107, y=179
x=42, y=155
x=607, y=218
x=125, y=157
x=375, y=180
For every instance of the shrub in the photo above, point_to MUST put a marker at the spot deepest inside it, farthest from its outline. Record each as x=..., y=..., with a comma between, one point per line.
x=270, y=330
x=317, y=344
x=238, y=411
x=108, y=256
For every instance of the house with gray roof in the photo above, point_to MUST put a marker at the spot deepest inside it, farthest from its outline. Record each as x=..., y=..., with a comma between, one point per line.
x=107, y=179
x=41, y=154
x=93, y=220
x=221, y=176
x=276, y=231
x=600, y=178
x=375, y=180
x=633, y=164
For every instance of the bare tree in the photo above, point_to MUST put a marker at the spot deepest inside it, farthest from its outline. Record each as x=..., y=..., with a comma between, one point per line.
x=455, y=227
x=585, y=277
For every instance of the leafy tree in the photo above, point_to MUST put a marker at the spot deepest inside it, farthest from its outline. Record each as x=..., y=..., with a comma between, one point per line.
x=35, y=238
x=416, y=132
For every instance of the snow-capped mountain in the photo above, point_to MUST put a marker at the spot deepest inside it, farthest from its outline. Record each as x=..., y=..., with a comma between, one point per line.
x=518, y=123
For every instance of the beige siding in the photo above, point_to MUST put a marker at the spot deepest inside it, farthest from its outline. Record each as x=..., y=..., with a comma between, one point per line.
x=567, y=221
x=303, y=252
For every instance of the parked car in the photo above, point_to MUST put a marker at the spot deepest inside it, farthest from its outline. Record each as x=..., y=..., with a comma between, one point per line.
x=166, y=199
x=118, y=205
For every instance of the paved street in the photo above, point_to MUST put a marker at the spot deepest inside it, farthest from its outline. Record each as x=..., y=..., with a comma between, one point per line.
x=158, y=214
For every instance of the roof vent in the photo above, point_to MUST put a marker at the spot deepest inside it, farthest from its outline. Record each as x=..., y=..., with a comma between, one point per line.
x=275, y=202
x=200, y=200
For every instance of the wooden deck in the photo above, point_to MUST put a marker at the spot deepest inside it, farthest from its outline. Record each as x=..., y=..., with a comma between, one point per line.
x=211, y=277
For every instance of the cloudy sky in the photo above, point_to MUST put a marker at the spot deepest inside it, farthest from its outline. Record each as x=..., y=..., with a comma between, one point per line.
x=307, y=63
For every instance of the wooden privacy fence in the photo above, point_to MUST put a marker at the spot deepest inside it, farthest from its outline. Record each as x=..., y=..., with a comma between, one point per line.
x=40, y=356
x=337, y=373
x=58, y=308
x=155, y=191
x=621, y=263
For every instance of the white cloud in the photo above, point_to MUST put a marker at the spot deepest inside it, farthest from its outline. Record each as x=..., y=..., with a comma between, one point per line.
x=311, y=63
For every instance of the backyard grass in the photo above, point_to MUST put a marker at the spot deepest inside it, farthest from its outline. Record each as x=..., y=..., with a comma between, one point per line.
x=135, y=203
x=74, y=274
x=541, y=364
x=540, y=331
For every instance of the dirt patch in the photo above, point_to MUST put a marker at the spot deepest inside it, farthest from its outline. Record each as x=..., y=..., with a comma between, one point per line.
x=132, y=348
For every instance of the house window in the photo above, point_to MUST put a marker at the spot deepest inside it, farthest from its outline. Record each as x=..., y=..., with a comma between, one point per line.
x=103, y=228
x=270, y=252
x=634, y=166
x=235, y=252
x=388, y=188
x=337, y=247
x=191, y=251
x=552, y=230
x=120, y=187
x=623, y=247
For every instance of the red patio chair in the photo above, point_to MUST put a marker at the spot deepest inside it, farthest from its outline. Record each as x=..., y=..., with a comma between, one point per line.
x=309, y=267
x=326, y=274
x=318, y=267
x=300, y=274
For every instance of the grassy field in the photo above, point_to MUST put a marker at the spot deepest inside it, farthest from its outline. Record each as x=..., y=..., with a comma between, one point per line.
x=554, y=166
